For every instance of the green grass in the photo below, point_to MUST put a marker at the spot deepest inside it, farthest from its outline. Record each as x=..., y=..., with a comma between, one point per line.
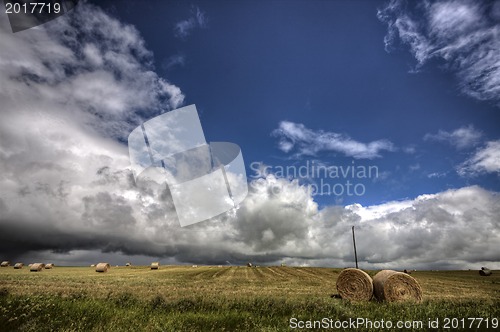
x=209, y=298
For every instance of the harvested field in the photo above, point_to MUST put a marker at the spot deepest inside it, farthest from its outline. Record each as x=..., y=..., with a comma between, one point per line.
x=211, y=298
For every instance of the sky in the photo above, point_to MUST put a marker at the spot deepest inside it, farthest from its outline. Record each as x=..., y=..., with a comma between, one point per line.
x=383, y=115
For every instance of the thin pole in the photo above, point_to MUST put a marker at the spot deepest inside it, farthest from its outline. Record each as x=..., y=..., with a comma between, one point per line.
x=355, y=253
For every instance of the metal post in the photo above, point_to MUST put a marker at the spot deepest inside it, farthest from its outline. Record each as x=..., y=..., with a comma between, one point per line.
x=355, y=253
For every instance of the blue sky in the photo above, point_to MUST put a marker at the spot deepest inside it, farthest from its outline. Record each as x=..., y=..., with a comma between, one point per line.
x=250, y=65
x=411, y=89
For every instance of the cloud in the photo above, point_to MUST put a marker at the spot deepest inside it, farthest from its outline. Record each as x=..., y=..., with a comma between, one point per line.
x=184, y=28
x=414, y=167
x=436, y=175
x=85, y=66
x=485, y=160
x=461, y=138
x=71, y=91
x=295, y=136
x=174, y=61
x=463, y=33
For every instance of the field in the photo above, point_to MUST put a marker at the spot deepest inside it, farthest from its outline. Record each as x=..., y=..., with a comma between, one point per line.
x=180, y=298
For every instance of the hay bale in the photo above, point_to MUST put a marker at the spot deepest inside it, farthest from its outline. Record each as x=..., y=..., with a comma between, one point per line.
x=219, y=265
x=392, y=286
x=355, y=285
x=49, y=266
x=18, y=266
x=92, y=265
x=5, y=264
x=128, y=264
x=102, y=267
x=484, y=272
x=37, y=267
x=155, y=266
x=194, y=266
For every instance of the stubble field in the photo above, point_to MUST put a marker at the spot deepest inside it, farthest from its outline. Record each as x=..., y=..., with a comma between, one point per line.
x=181, y=298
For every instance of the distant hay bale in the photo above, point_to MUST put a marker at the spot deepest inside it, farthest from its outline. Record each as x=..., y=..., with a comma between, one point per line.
x=249, y=264
x=128, y=264
x=283, y=264
x=392, y=286
x=5, y=264
x=219, y=265
x=92, y=265
x=355, y=285
x=18, y=266
x=194, y=266
x=484, y=272
x=102, y=267
x=49, y=266
x=37, y=267
x=155, y=266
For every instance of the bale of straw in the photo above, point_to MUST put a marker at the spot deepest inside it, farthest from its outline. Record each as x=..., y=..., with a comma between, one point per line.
x=49, y=266
x=484, y=272
x=18, y=266
x=37, y=267
x=102, y=267
x=392, y=286
x=194, y=266
x=92, y=265
x=155, y=266
x=5, y=264
x=355, y=285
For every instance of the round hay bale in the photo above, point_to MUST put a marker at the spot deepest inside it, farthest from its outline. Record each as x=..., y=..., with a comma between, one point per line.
x=5, y=264
x=18, y=266
x=92, y=265
x=49, y=266
x=102, y=267
x=155, y=266
x=355, y=285
x=37, y=267
x=484, y=272
x=392, y=286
